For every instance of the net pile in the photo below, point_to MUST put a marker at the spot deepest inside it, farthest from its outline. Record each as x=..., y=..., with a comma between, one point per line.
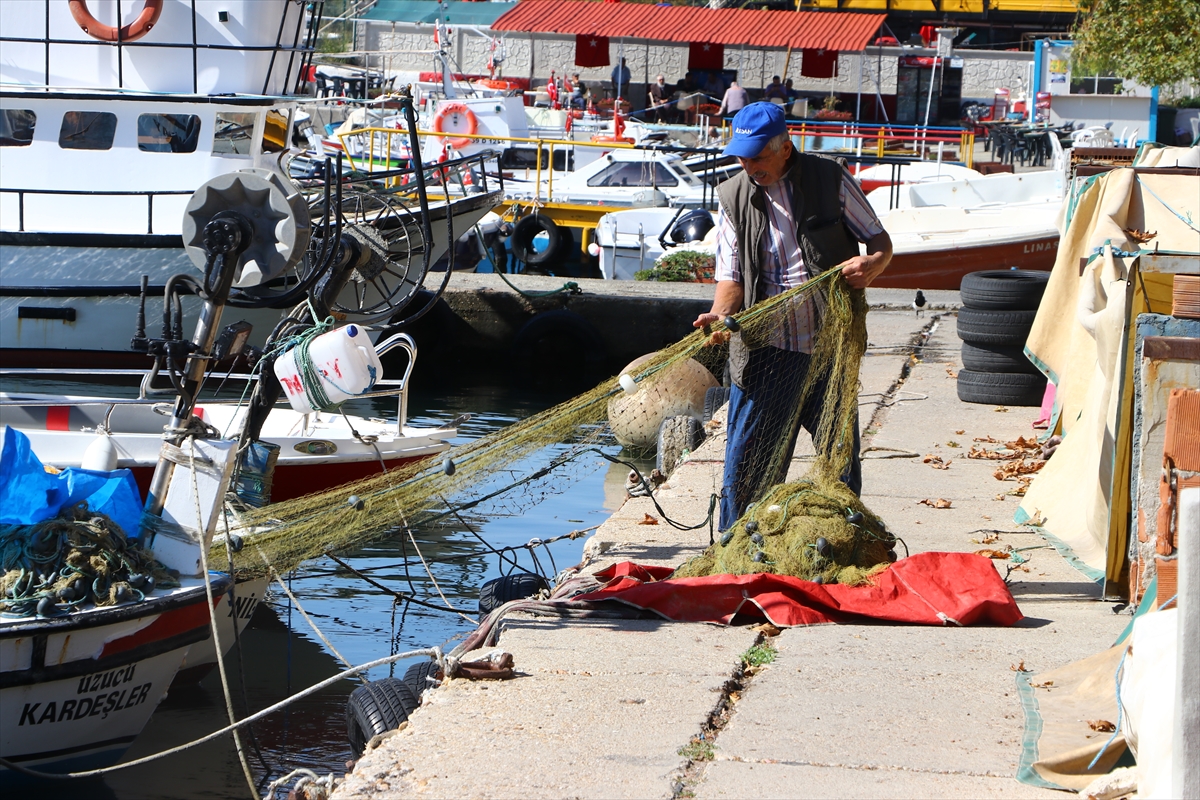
x=78, y=558
x=288, y=533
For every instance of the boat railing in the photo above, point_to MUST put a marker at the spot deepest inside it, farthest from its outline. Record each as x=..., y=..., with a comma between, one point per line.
x=878, y=137
x=148, y=194
x=388, y=386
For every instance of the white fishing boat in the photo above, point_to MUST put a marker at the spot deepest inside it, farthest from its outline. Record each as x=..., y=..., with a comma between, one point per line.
x=105, y=132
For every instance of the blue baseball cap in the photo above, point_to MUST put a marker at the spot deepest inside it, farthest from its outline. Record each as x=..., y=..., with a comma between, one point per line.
x=754, y=126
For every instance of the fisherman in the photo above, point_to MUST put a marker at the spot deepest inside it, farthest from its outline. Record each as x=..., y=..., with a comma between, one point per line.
x=735, y=100
x=785, y=218
x=660, y=99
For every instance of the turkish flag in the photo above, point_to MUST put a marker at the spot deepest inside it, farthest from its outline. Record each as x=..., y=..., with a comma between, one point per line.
x=591, y=51
x=819, y=64
x=706, y=55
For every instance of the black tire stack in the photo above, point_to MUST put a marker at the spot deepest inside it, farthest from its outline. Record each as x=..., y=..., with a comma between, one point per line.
x=998, y=307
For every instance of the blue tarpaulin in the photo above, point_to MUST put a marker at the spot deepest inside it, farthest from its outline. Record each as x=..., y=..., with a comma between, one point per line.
x=29, y=494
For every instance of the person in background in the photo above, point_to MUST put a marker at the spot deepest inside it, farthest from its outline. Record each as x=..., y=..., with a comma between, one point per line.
x=578, y=96
x=785, y=218
x=735, y=100
x=789, y=90
x=620, y=79
x=660, y=99
x=775, y=90
x=714, y=84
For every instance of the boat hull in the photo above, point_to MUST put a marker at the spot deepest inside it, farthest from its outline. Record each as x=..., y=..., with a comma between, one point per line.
x=235, y=608
x=944, y=269
x=76, y=691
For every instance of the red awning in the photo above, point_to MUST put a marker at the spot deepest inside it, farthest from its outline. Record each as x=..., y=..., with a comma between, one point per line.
x=816, y=30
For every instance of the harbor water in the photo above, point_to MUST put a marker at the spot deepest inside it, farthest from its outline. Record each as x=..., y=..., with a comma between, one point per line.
x=280, y=652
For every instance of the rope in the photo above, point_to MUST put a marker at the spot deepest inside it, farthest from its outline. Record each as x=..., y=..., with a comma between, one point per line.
x=300, y=608
x=310, y=377
x=570, y=287
x=212, y=624
x=433, y=652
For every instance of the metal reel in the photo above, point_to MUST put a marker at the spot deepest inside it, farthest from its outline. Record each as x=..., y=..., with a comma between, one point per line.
x=384, y=243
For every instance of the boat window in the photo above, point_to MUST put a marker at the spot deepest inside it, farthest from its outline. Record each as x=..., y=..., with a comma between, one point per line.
x=16, y=127
x=233, y=133
x=87, y=130
x=168, y=133
x=634, y=173
x=275, y=132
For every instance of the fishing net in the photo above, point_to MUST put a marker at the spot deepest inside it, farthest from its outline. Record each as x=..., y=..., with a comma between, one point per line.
x=814, y=527
x=78, y=558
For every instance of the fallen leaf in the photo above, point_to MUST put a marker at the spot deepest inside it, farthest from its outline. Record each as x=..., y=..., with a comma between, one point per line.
x=941, y=502
x=989, y=553
x=991, y=538
x=1019, y=667
x=1101, y=725
x=1045, y=685
x=648, y=520
x=953, y=443
x=766, y=629
x=959, y=433
x=1140, y=237
x=1001, y=409
x=936, y=462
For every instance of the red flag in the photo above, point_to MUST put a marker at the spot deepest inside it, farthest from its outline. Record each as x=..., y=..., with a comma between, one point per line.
x=706, y=55
x=819, y=64
x=591, y=51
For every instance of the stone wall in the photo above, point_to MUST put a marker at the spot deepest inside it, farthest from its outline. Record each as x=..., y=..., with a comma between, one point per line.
x=409, y=47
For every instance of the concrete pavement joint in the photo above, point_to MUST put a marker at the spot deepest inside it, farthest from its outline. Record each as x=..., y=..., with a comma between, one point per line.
x=917, y=341
x=692, y=771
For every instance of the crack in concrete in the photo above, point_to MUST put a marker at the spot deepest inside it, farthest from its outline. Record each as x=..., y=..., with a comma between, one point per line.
x=916, y=343
x=691, y=772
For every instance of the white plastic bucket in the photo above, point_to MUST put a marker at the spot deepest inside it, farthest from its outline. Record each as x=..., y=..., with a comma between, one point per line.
x=344, y=358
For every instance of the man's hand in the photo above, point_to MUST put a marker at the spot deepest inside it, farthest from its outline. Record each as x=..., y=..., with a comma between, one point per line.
x=706, y=319
x=860, y=271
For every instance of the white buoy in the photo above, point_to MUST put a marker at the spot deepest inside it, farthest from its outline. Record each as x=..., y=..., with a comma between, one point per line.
x=628, y=383
x=678, y=389
x=101, y=455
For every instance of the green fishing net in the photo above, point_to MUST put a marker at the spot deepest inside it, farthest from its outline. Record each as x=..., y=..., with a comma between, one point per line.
x=791, y=517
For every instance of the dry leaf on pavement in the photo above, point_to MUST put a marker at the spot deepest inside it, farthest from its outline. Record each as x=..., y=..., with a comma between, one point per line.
x=1101, y=725
x=648, y=520
x=941, y=502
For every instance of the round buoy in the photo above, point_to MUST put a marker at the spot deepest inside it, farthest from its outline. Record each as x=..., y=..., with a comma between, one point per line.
x=672, y=391
x=356, y=502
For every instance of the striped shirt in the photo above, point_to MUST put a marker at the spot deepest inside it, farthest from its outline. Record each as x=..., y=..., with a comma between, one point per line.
x=783, y=259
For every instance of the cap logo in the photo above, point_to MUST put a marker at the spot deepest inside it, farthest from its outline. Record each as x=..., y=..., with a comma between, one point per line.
x=743, y=130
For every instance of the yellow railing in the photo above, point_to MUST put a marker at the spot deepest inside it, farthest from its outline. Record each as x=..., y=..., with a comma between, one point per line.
x=373, y=155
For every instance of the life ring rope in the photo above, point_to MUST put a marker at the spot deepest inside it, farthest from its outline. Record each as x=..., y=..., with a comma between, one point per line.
x=460, y=109
x=146, y=19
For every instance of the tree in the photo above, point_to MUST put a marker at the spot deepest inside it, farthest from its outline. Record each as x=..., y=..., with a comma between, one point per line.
x=1153, y=42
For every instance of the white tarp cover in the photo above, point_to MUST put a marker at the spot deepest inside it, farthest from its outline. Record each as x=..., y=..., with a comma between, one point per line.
x=1080, y=340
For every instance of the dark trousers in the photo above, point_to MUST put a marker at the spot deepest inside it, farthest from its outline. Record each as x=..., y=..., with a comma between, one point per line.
x=760, y=417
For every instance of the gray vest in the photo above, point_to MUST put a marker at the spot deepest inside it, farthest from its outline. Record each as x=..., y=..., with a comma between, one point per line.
x=820, y=228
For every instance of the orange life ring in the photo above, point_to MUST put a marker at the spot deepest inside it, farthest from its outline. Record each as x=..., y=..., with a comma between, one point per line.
x=460, y=111
x=151, y=11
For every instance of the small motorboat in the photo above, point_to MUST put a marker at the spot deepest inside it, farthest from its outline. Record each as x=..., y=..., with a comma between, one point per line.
x=317, y=451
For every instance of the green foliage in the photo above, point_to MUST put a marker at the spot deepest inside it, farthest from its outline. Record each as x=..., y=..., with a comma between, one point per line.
x=681, y=265
x=697, y=750
x=1154, y=42
x=758, y=655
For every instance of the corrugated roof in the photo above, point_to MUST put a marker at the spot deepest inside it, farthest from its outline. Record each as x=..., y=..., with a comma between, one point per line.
x=426, y=11
x=821, y=30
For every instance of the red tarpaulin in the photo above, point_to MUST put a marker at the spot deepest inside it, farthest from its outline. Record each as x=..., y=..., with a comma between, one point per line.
x=706, y=55
x=591, y=51
x=819, y=64
x=925, y=589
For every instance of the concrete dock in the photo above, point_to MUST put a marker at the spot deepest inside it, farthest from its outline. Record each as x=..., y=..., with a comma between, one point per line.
x=604, y=709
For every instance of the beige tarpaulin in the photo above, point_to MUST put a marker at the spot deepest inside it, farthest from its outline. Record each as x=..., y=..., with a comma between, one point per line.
x=1080, y=339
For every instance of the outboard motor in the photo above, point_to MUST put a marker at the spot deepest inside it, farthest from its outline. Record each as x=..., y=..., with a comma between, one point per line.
x=691, y=226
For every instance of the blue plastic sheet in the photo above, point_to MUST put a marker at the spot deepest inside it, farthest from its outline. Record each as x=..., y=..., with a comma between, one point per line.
x=29, y=494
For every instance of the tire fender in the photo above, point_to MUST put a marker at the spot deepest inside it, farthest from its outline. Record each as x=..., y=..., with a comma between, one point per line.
x=377, y=707
x=523, y=235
